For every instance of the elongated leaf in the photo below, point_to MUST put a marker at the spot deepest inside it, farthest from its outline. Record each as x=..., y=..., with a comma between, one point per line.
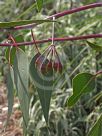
x=21, y=75
x=23, y=22
x=39, y=4
x=19, y=38
x=44, y=86
x=86, y=27
x=82, y=83
x=10, y=54
x=96, y=130
x=27, y=11
x=95, y=46
x=10, y=91
x=10, y=51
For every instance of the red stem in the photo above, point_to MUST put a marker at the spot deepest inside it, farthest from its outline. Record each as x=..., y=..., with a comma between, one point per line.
x=67, y=12
x=61, y=14
x=55, y=39
x=98, y=73
x=34, y=41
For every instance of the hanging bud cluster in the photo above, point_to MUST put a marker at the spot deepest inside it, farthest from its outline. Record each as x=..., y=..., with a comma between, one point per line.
x=49, y=60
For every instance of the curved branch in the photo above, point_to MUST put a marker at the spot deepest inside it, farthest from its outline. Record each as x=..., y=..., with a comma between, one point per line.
x=55, y=39
x=67, y=12
x=61, y=14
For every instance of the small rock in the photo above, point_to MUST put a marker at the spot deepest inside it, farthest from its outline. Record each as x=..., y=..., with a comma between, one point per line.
x=5, y=109
x=16, y=105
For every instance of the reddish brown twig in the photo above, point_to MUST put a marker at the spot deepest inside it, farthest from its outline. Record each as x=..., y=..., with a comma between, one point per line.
x=55, y=39
x=61, y=14
x=98, y=73
x=34, y=41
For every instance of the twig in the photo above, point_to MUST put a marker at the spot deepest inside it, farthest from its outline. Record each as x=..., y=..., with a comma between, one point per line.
x=98, y=73
x=55, y=39
x=61, y=14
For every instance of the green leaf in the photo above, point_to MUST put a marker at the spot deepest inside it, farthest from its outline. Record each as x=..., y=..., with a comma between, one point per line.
x=44, y=86
x=27, y=11
x=23, y=22
x=82, y=83
x=10, y=91
x=87, y=27
x=94, y=46
x=21, y=76
x=10, y=51
x=19, y=38
x=10, y=54
x=39, y=4
x=96, y=130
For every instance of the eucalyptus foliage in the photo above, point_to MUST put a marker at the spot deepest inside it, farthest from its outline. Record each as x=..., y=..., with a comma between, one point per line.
x=72, y=102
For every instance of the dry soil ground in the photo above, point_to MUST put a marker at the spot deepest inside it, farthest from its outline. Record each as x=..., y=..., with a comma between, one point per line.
x=13, y=128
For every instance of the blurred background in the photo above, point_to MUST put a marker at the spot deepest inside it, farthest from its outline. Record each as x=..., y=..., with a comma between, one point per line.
x=76, y=57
